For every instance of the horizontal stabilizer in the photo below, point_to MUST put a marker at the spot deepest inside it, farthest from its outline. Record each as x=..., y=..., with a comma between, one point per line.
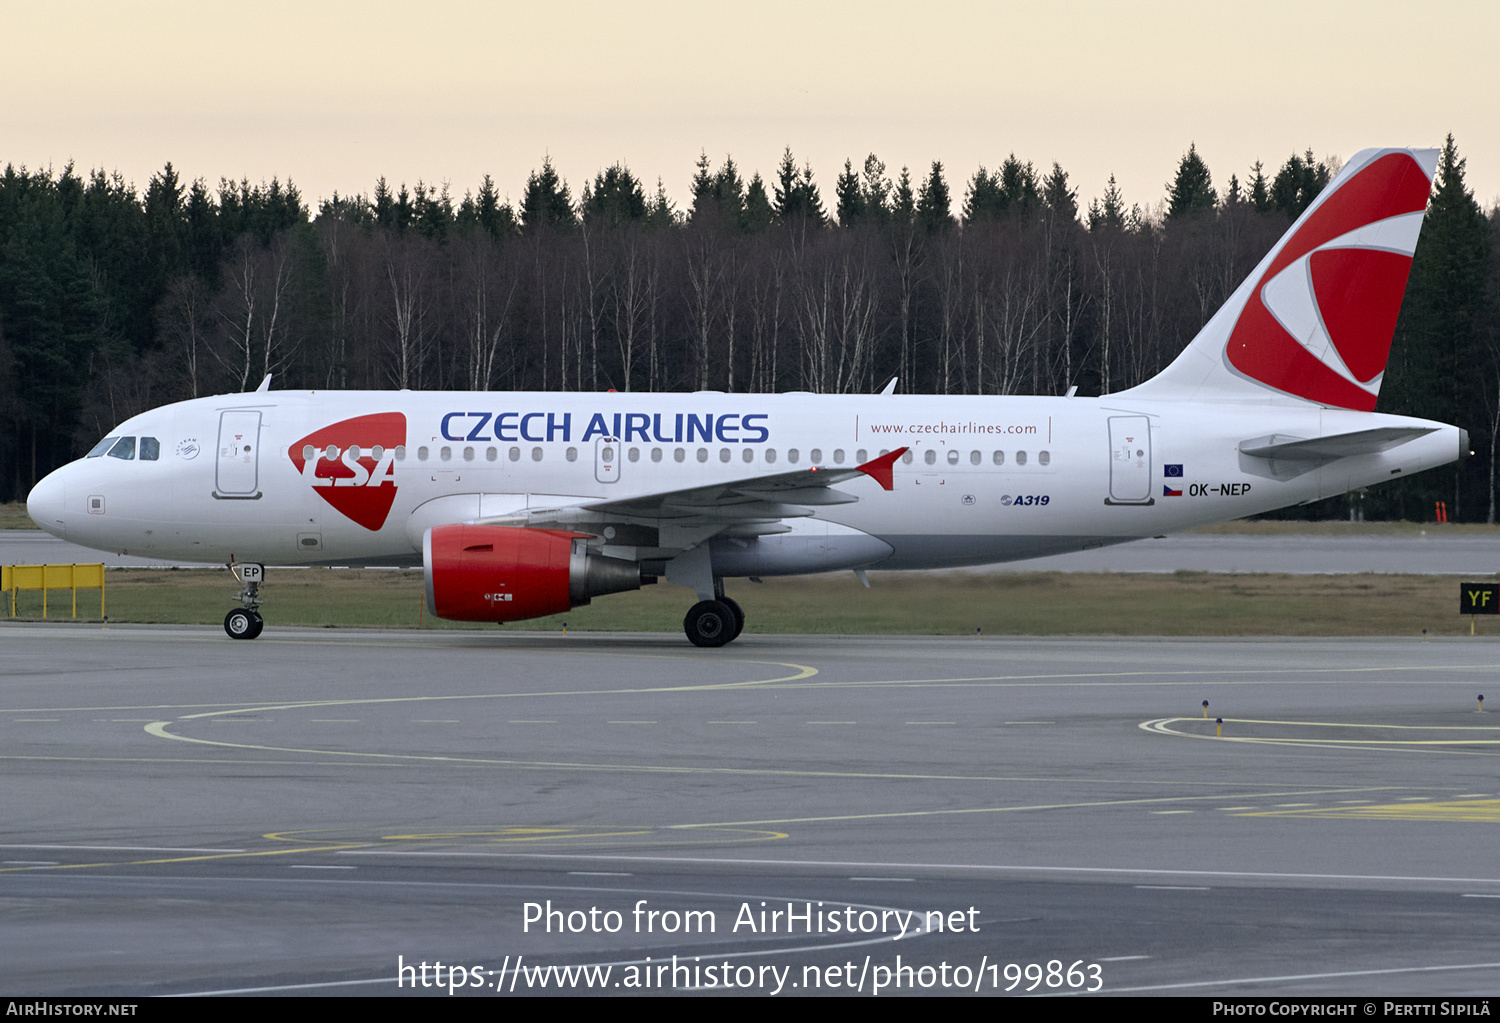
x=1341, y=445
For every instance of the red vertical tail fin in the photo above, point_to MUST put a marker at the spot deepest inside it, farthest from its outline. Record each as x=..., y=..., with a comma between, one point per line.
x=1314, y=320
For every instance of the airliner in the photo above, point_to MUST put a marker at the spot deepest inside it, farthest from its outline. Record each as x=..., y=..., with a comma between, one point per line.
x=524, y=504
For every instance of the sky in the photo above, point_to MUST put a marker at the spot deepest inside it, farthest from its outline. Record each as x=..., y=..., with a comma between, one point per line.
x=334, y=95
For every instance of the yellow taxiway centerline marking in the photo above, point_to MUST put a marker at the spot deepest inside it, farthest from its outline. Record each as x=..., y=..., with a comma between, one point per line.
x=190, y=859
x=1094, y=804
x=805, y=672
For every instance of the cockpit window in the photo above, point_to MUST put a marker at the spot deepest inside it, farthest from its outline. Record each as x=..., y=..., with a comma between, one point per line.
x=124, y=448
x=150, y=449
x=103, y=446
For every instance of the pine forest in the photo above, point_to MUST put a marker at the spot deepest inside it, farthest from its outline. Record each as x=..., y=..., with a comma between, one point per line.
x=114, y=300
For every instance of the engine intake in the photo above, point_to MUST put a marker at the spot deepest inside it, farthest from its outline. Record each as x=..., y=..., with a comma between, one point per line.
x=507, y=574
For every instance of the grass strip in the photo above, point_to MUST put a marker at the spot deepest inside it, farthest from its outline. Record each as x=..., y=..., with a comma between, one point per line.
x=957, y=603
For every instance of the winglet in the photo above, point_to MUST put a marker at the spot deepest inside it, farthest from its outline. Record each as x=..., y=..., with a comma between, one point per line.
x=880, y=469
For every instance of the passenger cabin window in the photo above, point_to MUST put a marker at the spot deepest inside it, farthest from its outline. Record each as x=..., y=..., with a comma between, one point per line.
x=931, y=457
x=104, y=445
x=124, y=448
x=816, y=456
x=1044, y=458
x=791, y=455
x=1020, y=458
x=999, y=457
x=953, y=458
x=770, y=456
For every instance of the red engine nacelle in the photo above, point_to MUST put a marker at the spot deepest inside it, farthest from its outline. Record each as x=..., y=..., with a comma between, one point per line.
x=506, y=574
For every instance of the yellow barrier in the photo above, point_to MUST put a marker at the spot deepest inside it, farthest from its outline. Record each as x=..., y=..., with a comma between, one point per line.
x=15, y=578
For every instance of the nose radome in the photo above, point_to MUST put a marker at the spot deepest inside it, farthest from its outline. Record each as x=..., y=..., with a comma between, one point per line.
x=47, y=502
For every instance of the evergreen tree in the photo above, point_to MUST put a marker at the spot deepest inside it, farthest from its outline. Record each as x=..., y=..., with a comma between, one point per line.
x=486, y=212
x=1297, y=184
x=1192, y=190
x=1435, y=358
x=796, y=196
x=702, y=186
x=759, y=215
x=786, y=182
x=903, y=199
x=718, y=198
x=851, y=199
x=381, y=204
x=1233, y=196
x=984, y=199
x=53, y=310
x=1108, y=213
x=660, y=213
x=546, y=204
x=432, y=211
x=616, y=198
x=1060, y=200
x=729, y=193
x=875, y=191
x=1260, y=195
x=934, y=209
x=203, y=240
x=1018, y=184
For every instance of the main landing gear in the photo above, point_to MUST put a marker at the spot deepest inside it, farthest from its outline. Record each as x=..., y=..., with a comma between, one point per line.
x=245, y=622
x=714, y=622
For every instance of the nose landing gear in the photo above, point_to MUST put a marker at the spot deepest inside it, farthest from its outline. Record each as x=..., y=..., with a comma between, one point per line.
x=245, y=622
x=242, y=623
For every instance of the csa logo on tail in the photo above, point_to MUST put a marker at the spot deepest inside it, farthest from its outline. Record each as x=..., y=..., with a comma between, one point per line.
x=1319, y=319
x=351, y=465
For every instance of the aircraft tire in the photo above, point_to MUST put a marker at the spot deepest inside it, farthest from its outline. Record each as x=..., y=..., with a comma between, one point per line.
x=709, y=623
x=739, y=617
x=242, y=624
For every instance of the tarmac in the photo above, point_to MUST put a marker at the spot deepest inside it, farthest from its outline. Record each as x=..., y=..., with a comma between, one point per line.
x=338, y=812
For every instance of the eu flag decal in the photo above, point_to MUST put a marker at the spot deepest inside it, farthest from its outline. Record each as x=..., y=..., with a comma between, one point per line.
x=1167, y=491
x=1171, y=471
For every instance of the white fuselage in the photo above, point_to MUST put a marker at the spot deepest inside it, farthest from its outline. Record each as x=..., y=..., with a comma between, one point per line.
x=987, y=479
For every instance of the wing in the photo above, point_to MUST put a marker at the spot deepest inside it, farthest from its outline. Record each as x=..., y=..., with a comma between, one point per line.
x=662, y=524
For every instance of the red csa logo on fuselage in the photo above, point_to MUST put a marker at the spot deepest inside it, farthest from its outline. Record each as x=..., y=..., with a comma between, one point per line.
x=351, y=465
